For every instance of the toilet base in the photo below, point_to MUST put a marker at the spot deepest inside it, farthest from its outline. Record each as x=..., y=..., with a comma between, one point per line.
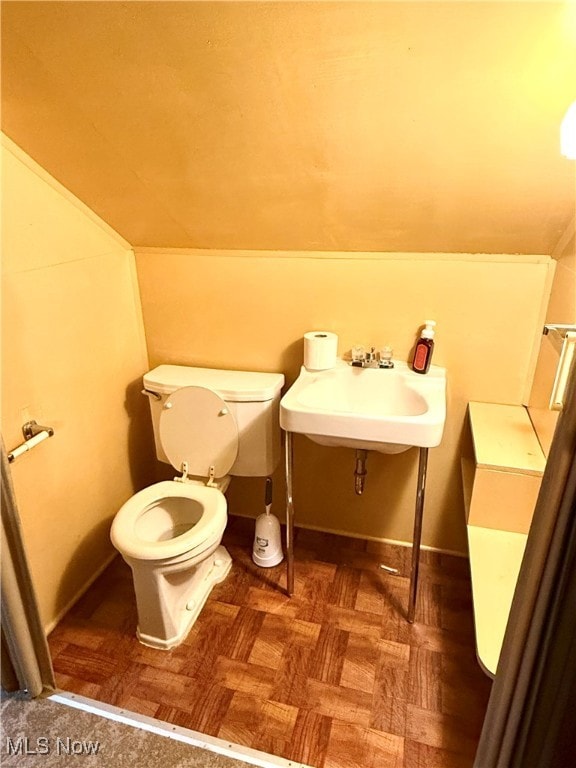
x=208, y=573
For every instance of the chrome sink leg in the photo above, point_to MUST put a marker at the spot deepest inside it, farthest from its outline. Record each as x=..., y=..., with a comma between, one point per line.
x=289, y=517
x=423, y=461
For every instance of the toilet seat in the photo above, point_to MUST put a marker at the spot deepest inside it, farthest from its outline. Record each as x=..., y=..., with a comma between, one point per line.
x=198, y=432
x=202, y=534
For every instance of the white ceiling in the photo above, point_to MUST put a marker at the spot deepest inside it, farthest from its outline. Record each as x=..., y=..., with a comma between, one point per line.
x=356, y=126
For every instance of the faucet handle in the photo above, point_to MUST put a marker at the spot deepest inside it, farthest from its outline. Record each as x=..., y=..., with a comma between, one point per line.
x=386, y=358
x=358, y=355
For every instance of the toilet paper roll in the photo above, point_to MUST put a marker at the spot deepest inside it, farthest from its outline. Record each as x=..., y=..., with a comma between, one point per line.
x=320, y=350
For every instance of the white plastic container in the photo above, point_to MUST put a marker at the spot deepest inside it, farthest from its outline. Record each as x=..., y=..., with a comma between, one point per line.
x=267, y=548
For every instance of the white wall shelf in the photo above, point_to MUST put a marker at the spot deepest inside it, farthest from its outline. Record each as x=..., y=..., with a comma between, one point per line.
x=501, y=476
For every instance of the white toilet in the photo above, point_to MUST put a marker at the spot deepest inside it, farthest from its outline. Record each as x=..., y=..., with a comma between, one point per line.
x=209, y=424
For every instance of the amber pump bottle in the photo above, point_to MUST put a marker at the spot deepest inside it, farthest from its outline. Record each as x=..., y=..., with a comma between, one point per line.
x=424, y=349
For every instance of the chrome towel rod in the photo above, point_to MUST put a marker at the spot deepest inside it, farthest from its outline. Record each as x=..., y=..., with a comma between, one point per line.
x=557, y=332
x=33, y=435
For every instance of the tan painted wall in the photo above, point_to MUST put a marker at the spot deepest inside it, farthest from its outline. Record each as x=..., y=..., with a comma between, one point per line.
x=73, y=352
x=358, y=126
x=561, y=309
x=249, y=310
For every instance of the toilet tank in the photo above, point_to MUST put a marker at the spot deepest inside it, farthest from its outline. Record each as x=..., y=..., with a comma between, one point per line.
x=253, y=399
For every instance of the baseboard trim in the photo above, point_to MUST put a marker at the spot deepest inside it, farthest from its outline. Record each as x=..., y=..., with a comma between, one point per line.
x=352, y=535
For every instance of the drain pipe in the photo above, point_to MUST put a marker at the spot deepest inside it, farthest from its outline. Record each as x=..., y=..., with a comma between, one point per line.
x=360, y=471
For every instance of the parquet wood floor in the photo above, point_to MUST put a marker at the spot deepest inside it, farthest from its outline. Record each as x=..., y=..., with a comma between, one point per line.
x=333, y=677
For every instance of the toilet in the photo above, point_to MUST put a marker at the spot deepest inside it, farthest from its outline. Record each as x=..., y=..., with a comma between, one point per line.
x=210, y=425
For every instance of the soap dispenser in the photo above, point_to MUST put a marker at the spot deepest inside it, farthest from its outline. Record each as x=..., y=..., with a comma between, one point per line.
x=424, y=349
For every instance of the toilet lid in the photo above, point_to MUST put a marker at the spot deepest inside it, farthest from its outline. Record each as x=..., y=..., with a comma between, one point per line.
x=197, y=427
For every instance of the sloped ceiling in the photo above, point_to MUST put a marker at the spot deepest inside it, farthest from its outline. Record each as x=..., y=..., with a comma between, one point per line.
x=384, y=126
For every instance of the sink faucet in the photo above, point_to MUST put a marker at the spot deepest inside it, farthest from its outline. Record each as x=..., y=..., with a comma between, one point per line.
x=372, y=359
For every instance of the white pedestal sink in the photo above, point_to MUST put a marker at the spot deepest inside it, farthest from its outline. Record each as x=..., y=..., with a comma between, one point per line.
x=383, y=409
x=380, y=409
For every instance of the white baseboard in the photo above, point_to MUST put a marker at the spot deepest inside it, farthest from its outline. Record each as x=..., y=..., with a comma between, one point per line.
x=352, y=535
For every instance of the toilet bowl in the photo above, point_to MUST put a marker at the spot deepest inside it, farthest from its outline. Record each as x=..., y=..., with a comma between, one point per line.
x=170, y=533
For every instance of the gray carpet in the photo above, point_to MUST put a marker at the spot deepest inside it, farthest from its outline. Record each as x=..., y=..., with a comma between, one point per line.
x=42, y=733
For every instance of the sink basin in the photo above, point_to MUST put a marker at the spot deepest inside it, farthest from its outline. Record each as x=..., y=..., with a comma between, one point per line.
x=381, y=409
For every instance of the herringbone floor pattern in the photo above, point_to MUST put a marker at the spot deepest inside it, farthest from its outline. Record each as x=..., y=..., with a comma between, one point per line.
x=333, y=677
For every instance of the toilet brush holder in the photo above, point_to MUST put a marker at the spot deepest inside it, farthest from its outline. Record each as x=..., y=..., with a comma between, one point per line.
x=267, y=550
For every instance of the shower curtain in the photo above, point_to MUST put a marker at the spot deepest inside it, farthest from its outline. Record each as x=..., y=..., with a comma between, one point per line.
x=26, y=663
x=531, y=717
